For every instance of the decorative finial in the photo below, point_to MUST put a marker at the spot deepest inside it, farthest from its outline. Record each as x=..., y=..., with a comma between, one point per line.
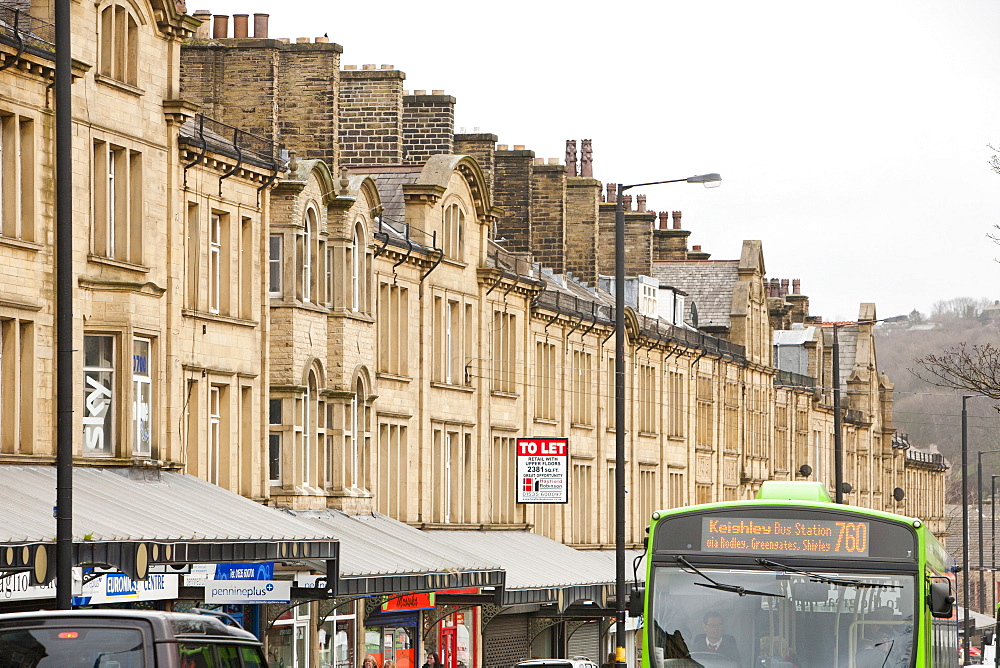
x=293, y=164
x=344, y=183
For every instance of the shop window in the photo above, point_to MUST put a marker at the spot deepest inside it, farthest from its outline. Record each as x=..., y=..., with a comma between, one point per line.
x=119, y=44
x=98, y=394
x=337, y=639
x=118, y=203
x=17, y=177
x=393, y=325
x=17, y=386
x=274, y=442
x=583, y=379
x=274, y=265
x=142, y=399
x=545, y=380
x=504, y=352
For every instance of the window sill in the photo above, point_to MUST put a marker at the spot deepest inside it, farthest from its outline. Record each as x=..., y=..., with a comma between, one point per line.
x=392, y=376
x=704, y=448
x=214, y=317
x=675, y=437
x=307, y=306
x=505, y=395
x=121, y=264
x=120, y=85
x=542, y=420
x=20, y=243
x=456, y=388
x=353, y=315
x=453, y=262
x=648, y=434
x=580, y=425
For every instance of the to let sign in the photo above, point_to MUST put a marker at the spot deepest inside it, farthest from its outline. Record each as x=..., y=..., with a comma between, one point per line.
x=542, y=470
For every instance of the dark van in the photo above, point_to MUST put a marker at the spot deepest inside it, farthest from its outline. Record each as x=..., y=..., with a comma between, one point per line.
x=124, y=639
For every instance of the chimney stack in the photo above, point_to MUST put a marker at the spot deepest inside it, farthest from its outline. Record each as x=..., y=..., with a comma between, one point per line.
x=571, y=157
x=640, y=203
x=664, y=220
x=260, y=26
x=205, y=29
x=220, y=29
x=677, y=220
x=586, y=158
x=784, y=287
x=796, y=286
x=612, y=193
x=241, y=26
x=627, y=203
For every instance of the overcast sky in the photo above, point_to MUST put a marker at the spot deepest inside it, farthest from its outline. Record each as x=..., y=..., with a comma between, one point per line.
x=851, y=136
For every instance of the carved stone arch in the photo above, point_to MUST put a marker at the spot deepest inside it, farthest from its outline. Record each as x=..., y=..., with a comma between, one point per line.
x=140, y=9
x=438, y=171
x=313, y=364
x=363, y=373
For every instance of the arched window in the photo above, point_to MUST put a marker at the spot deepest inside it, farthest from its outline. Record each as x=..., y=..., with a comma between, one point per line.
x=309, y=419
x=119, y=44
x=357, y=268
x=453, y=243
x=309, y=240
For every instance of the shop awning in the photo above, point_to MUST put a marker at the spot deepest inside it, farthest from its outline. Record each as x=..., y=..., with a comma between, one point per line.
x=131, y=518
x=380, y=555
x=541, y=570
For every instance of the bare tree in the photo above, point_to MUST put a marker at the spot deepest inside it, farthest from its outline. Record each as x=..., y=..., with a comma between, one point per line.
x=969, y=369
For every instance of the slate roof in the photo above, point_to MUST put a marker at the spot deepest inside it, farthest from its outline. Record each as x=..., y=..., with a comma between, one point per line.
x=709, y=284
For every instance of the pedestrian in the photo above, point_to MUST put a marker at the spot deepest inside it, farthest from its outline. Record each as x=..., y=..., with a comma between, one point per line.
x=433, y=660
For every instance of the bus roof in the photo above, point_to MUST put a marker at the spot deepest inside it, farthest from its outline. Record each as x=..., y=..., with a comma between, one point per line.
x=794, y=490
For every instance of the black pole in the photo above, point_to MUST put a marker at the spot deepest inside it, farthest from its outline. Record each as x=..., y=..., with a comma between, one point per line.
x=965, y=530
x=979, y=505
x=993, y=538
x=64, y=309
x=838, y=439
x=620, y=426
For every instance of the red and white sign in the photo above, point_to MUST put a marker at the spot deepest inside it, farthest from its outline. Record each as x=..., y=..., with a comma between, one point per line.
x=542, y=470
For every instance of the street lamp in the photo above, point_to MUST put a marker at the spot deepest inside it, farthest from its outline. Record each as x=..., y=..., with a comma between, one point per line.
x=710, y=181
x=979, y=488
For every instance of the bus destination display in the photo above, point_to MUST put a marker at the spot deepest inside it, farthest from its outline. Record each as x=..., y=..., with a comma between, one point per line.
x=784, y=536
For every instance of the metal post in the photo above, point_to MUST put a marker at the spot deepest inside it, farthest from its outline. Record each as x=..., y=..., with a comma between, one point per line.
x=838, y=438
x=965, y=530
x=979, y=505
x=64, y=308
x=620, y=427
x=993, y=539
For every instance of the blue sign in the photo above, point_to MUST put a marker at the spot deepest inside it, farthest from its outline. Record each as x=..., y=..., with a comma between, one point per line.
x=263, y=571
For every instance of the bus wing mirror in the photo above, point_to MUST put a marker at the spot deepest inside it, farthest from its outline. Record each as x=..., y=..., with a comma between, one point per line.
x=635, y=598
x=942, y=602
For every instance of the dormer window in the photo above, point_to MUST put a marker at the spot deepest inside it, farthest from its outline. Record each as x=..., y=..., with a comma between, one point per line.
x=454, y=232
x=119, y=44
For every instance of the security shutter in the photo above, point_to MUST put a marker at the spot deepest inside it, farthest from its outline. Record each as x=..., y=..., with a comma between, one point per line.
x=585, y=641
x=505, y=641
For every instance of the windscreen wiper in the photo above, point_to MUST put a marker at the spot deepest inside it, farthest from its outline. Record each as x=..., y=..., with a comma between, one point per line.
x=828, y=579
x=735, y=589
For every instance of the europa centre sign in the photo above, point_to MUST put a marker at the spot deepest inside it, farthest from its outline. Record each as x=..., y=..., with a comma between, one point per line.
x=542, y=470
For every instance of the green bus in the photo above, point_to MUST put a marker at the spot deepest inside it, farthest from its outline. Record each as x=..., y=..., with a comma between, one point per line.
x=793, y=580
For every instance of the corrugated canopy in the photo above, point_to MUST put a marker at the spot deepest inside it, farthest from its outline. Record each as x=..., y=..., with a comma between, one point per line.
x=380, y=555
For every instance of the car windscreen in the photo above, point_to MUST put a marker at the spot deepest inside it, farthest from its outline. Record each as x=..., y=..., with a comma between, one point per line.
x=72, y=646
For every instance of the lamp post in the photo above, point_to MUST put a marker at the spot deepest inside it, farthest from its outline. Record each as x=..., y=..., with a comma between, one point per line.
x=710, y=181
x=979, y=488
x=993, y=536
x=965, y=525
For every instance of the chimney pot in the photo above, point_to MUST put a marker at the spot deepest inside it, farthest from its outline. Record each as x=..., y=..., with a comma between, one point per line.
x=286, y=40
x=586, y=158
x=784, y=287
x=501, y=147
x=437, y=92
x=518, y=147
x=664, y=220
x=640, y=203
x=612, y=189
x=388, y=67
x=538, y=161
x=260, y=26
x=307, y=40
x=627, y=203
x=241, y=26
x=696, y=249
x=553, y=161
x=220, y=27
x=420, y=92
x=677, y=220
x=371, y=66
x=205, y=29
x=322, y=40
x=796, y=286
x=350, y=67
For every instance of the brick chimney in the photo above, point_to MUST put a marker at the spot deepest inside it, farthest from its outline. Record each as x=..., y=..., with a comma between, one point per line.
x=586, y=158
x=571, y=157
x=670, y=243
x=428, y=125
